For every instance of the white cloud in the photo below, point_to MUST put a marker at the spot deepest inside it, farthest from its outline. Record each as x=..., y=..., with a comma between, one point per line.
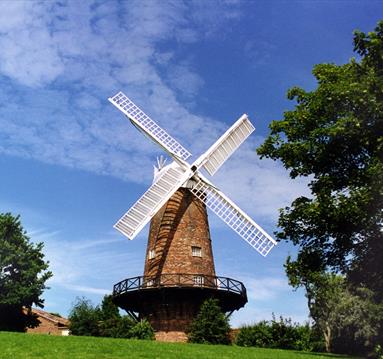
x=86, y=265
x=266, y=288
x=28, y=53
x=260, y=187
x=85, y=289
x=97, y=49
x=268, y=295
x=258, y=52
x=71, y=56
x=183, y=80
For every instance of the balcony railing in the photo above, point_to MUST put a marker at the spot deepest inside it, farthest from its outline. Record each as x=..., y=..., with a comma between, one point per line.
x=179, y=280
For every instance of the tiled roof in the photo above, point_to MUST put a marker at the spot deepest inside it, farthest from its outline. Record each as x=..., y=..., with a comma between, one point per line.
x=51, y=317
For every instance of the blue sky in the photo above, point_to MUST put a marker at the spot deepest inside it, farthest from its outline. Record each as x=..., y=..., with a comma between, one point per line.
x=71, y=165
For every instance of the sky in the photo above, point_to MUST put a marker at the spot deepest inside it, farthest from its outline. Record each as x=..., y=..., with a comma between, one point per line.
x=71, y=164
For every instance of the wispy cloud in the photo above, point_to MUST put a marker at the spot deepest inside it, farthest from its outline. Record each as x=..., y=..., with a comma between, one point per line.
x=260, y=187
x=85, y=289
x=28, y=53
x=258, y=52
x=68, y=57
x=87, y=265
x=80, y=53
x=268, y=295
x=266, y=288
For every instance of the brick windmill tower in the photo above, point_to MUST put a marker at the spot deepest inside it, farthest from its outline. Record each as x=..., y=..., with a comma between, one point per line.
x=179, y=269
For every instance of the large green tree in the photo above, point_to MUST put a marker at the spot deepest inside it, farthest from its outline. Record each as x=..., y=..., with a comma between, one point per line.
x=334, y=136
x=350, y=321
x=23, y=273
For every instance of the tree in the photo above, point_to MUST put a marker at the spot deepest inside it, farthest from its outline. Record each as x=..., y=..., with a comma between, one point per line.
x=323, y=293
x=105, y=321
x=211, y=325
x=349, y=323
x=109, y=310
x=84, y=318
x=334, y=136
x=111, y=323
x=23, y=273
x=360, y=322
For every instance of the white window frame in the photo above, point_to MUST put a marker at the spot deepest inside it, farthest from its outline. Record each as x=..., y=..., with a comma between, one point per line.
x=198, y=280
x=196, y=251
x=152, y=253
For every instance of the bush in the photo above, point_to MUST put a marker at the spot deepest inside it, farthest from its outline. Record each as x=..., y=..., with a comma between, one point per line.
x=88, y=320
x=118, y=327
x=258, y=335
x=84, y=318
x=211, y=325
x=281, y=334
x=285, y=334
x=378, y=351
x=142, y=330
x=306, y=340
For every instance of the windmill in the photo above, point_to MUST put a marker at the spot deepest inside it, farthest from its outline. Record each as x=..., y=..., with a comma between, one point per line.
x=176, y=206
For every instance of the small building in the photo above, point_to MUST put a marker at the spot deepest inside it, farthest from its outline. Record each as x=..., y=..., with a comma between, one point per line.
x=49, y=323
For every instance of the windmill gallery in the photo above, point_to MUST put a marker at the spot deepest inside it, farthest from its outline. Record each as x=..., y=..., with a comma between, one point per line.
x=179, y=269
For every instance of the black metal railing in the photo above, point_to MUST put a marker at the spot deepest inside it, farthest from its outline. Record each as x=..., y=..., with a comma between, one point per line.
x=179, y=280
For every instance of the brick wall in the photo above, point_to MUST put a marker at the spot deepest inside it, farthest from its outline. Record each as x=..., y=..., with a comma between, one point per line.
x=47, y=327
x=171, y=336
x=49, y=323
x=179, y=225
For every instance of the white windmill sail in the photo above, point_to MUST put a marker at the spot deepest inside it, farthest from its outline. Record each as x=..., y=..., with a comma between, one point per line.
x=169, y=180
x=145, y=123
x=234, y=217
x=177, y=174
x=226, y=145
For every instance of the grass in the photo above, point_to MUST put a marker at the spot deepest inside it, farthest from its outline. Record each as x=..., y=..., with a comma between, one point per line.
x=25, y=346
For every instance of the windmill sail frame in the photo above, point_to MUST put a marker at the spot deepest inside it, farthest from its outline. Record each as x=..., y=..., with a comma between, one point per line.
x=179, y=173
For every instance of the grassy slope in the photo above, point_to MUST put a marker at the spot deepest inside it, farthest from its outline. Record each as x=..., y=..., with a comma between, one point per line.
x=24, y=346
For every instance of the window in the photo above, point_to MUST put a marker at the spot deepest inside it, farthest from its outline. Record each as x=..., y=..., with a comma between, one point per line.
x=198, y=280
x=152, y=254
x=196, y=251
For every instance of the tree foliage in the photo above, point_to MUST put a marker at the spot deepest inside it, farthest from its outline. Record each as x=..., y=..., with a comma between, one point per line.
x=350, y=321
x=109, y=310
x=334, y=136
x=281, y=334
x=211, y=325
x=106, y=321
x=258, y=335
x=23, y=273
x=84, y=318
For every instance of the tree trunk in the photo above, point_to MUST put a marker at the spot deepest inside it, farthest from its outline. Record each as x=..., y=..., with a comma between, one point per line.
x=327, y=338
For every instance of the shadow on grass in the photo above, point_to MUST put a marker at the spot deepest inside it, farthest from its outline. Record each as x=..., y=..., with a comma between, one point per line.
x=327, y=355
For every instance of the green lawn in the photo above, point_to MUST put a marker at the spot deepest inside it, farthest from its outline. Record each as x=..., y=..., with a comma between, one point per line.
x=24, y=346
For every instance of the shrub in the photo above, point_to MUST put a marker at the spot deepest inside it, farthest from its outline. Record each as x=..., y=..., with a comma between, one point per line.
x=88, y=320
x=211, y=325
x=84, y=318
x=281, y=334
x=284, y=333
x=258, y=335
x=117, y=327
x=378, y=351
x=142, y=330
